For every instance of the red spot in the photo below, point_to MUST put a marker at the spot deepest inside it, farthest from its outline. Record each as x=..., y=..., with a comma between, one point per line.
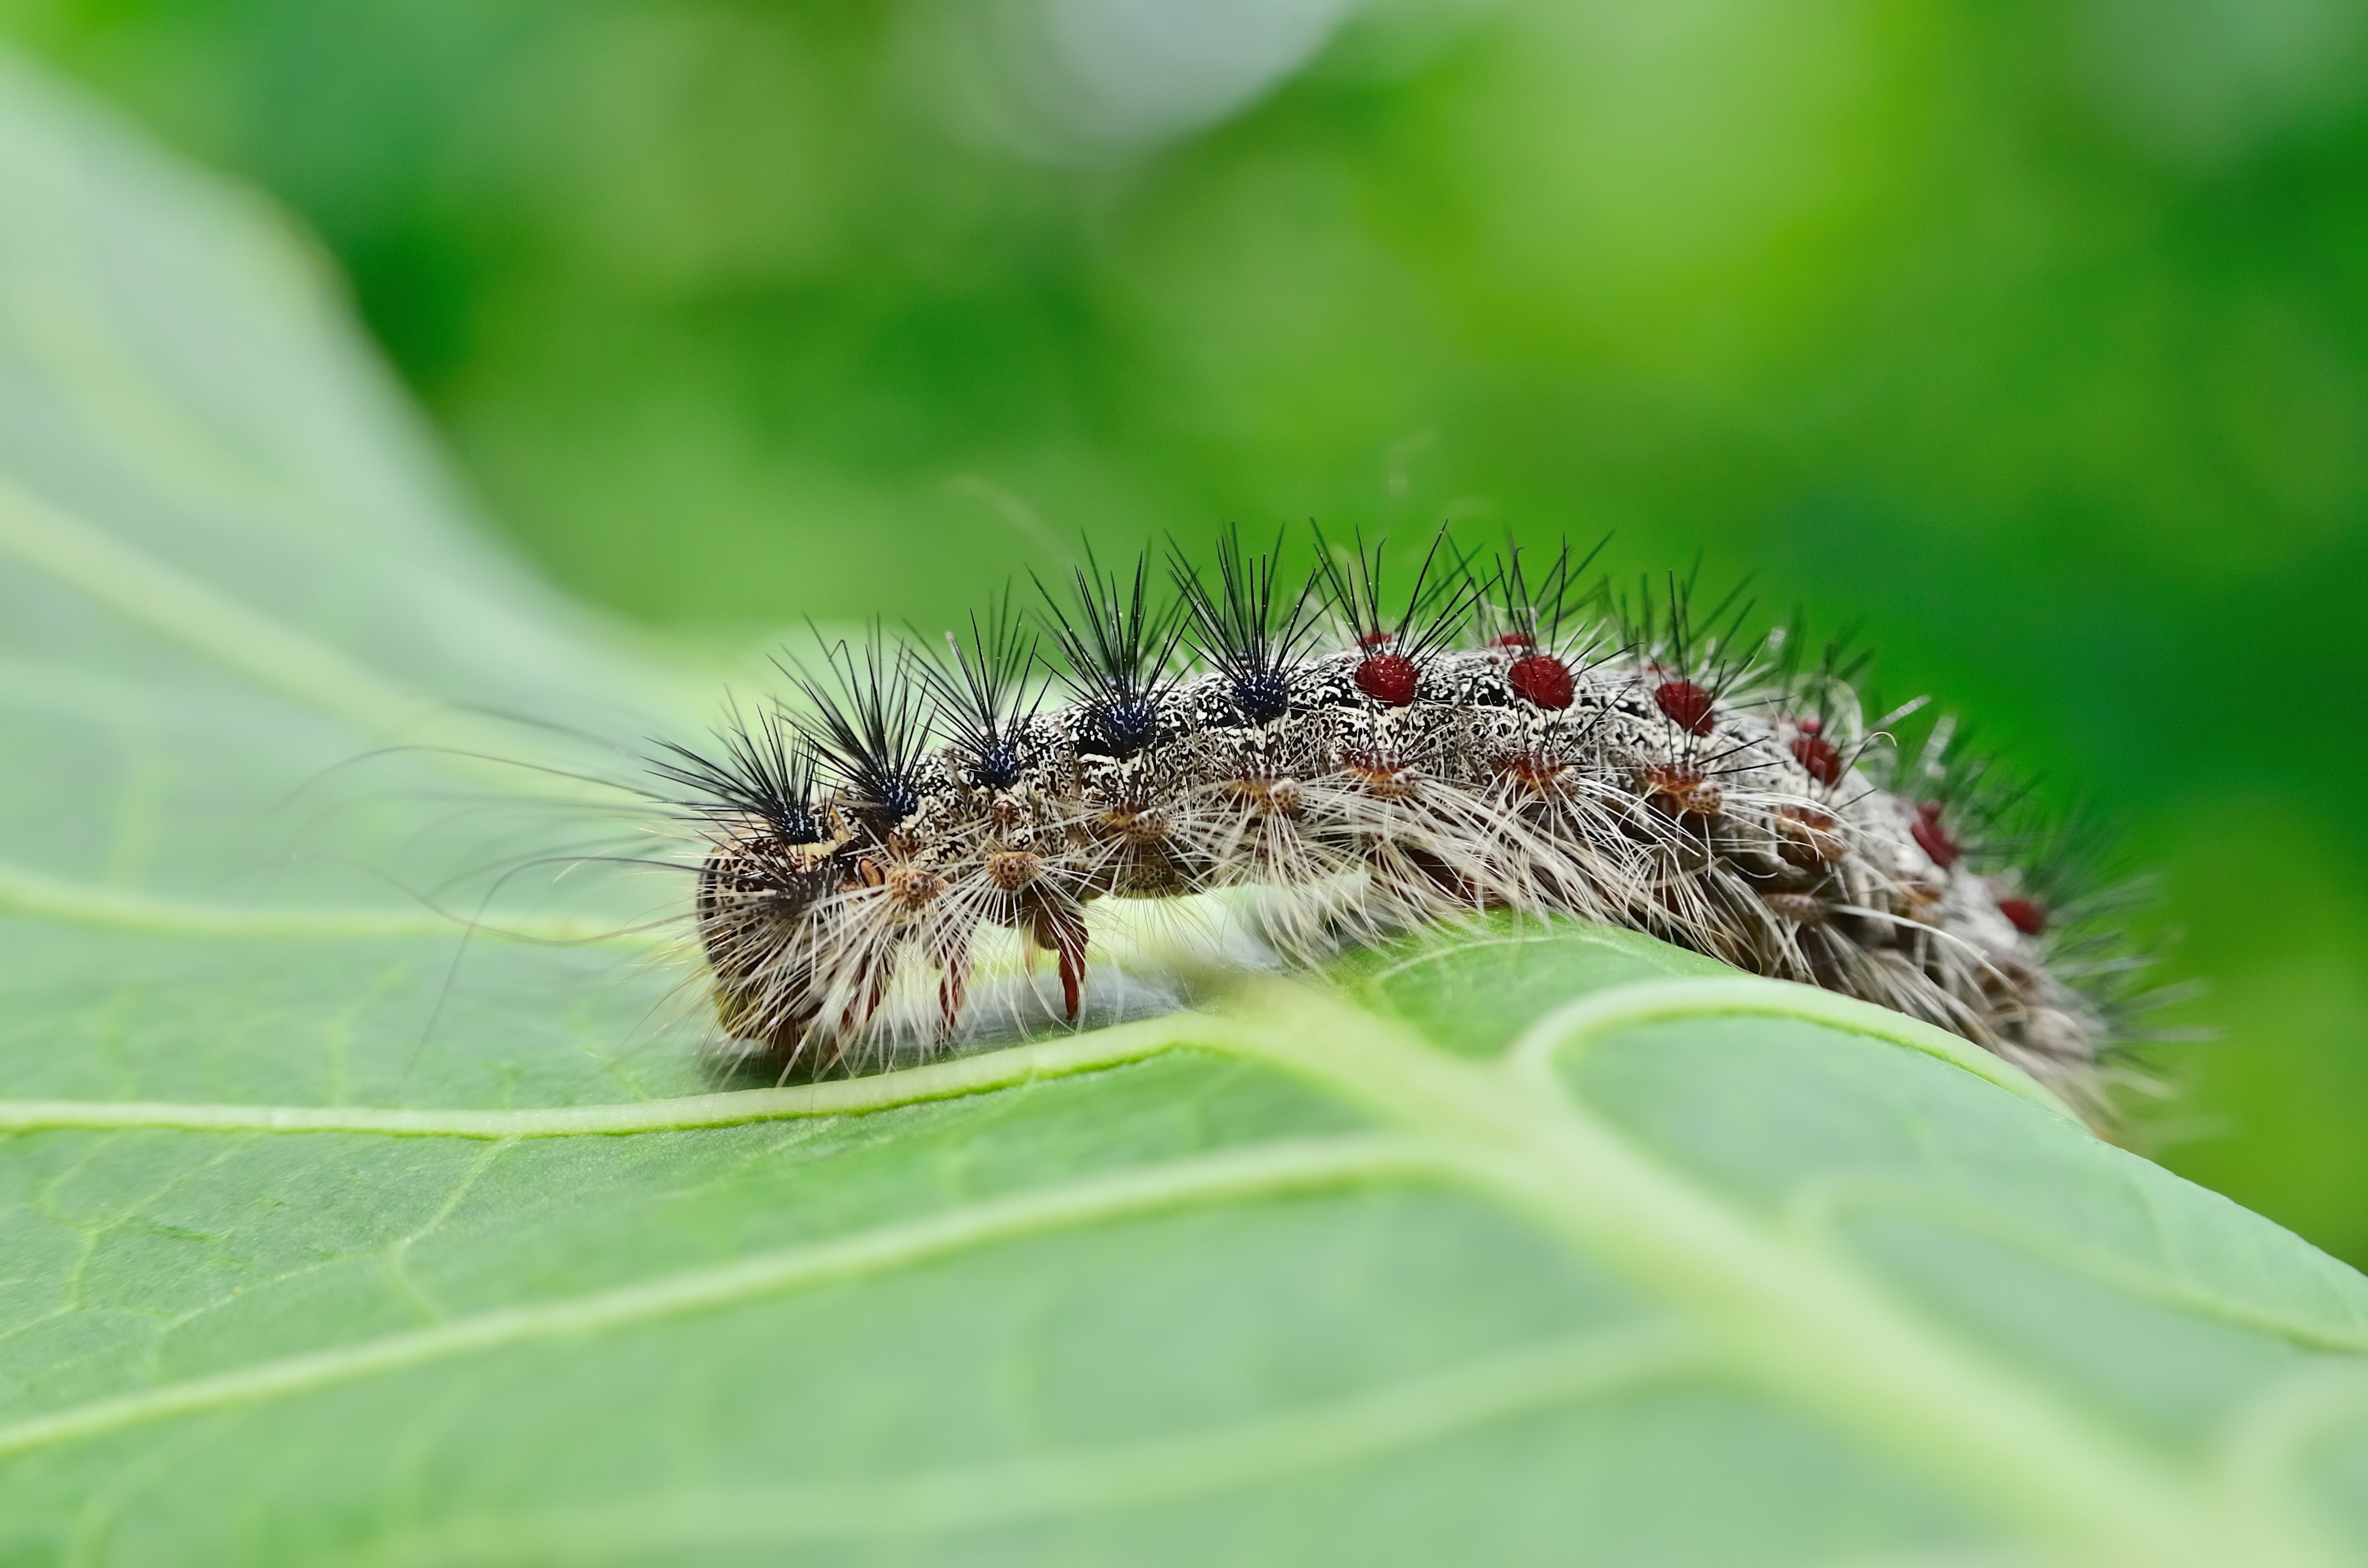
x=1937, y=841
x=1540, y=678
x=1811, y=726
x=1687, y=705
x=1515, y=640
x=1388, y=678
x=2029, y=917
x=1817, y=755
x=1376, y=638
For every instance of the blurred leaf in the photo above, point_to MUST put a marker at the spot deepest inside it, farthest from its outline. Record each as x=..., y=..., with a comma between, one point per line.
x=1545, y=1246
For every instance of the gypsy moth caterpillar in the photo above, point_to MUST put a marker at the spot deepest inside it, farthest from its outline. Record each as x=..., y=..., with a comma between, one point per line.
x=1496, y=736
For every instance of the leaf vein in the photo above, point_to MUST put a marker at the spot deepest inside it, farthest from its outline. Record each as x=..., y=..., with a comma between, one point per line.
x=1276, y=1170
x=1368, y=1425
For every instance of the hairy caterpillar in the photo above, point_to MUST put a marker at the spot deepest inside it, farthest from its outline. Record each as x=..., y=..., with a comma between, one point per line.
x=1496, y=738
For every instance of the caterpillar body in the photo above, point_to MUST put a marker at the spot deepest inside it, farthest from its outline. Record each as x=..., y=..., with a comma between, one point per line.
x=1486, y=744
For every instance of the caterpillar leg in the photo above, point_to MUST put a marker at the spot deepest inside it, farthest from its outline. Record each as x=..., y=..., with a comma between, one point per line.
x=954, y=980
x=869, y=988
x=1062, y=927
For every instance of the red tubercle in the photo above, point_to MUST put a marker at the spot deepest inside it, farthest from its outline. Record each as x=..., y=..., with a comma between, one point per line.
x=1542, y=679
x=2028, y=915
x=1513, y=640
x=1685, y=705
x=1817, y=756
x=1936, y=840
x=1389, y=678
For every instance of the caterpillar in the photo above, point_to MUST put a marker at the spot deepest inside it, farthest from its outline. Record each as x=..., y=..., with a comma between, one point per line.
x=1492, y=737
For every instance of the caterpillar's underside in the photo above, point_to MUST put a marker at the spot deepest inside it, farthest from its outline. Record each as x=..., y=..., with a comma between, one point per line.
x=1386, y=781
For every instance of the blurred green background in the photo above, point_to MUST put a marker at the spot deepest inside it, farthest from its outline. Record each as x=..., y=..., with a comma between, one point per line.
x=2036, y=335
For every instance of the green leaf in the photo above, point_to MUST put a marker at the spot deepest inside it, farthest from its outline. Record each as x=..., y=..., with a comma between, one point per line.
x=327, y=1236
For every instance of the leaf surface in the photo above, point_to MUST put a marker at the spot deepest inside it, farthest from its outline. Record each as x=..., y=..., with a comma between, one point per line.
x=329, y=1233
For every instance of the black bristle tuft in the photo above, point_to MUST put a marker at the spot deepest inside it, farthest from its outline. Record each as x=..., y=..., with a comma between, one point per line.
x=1119, y=654
x=870, y=721
x=766, y=771
x=1514, y=612
x=1667, y=625
x=1938, y=765
x=1823, y=686
x=1819, y=696
x=984, y=697
x=1437, y=606
x=1245, y=628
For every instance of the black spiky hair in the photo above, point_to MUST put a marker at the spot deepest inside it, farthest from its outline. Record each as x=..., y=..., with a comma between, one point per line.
x=1120, y=652
x=1437, y=606
x=1938, y=762
x=1815, y=685
x=1667, y=622
x=869, y=721
x=2070, y=863
x=1514, y=610
x=1812, y=679
x=765, y=770
x=984, y=696
x=1249, y=627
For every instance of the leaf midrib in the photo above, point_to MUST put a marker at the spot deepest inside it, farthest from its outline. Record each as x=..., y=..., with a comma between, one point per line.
x=1532, y=1057
x=1798, y=1320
